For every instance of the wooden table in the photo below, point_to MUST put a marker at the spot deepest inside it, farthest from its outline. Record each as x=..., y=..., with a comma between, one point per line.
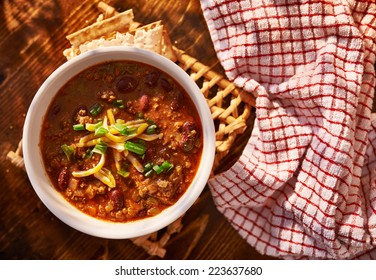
x=32, y=39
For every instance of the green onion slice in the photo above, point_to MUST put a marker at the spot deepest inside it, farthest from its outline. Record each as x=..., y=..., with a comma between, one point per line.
x=68, y=150
x=100, y=131
x=148, y=167
x=100, y=148
x=125, y=130
x=88, y=153
x=165, y=166
x=78, y=127
x=123, y=173
x=118, y=103
x=151, y=129
x=93, y=126
x=95, y=109
x=156, y=167
x=137, y=148
x=149, y=173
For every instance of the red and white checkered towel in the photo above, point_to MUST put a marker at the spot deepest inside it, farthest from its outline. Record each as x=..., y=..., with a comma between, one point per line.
x=305, y=185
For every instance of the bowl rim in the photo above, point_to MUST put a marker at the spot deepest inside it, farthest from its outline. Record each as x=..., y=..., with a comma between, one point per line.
x=55, y=201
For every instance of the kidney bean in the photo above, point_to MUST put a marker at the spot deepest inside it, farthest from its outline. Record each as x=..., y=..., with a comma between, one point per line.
x=176, y=101
x=143, y=103
x=188, y=127
x=117, y=197
x=165, y=84
x=151, y=79
x=63, y=179
x=126, y=84
x=2, y=77
x=187, y=143
x=56, y=109
x=189, y=136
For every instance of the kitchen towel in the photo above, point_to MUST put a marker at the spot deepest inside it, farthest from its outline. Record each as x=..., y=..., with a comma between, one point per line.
x=305, y=184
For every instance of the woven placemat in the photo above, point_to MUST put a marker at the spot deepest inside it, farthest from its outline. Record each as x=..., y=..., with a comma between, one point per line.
x=230, y=107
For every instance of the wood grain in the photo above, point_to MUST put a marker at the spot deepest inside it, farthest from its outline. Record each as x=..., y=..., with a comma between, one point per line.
x=32, y=38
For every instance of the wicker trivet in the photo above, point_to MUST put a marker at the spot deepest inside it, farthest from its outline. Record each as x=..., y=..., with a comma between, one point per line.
x=230, y=108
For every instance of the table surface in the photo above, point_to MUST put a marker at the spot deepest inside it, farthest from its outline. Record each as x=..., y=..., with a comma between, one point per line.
x=32, y=39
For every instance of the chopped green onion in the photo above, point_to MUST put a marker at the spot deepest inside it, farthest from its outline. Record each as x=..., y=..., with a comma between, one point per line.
x=121, y=128
x=137, y=148
x=78, y=127
x=150, y=121
x=100, y=148
x=125, y=130
x=140, y=115
x=118, y=103
x=156, y=167
x=131, y=131
x=68, y=150
x=123, y=173
x=95, y=109
x=151, y=129
x=88, y=153
x=165, y=166
x=93, y=126
x=148, y=167
x=100, y=131
x=149, y=173
x=98, y=124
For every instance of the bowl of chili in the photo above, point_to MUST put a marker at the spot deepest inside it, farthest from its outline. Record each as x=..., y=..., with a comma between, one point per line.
x=118, y=142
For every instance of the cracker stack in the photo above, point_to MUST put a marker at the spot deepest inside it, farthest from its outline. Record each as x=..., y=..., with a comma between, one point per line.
x=120, y=29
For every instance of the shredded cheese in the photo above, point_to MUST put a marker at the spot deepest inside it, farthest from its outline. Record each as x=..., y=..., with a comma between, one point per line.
x=115, y=139
x=135, y=162
x=105, y=176
x=91, y=171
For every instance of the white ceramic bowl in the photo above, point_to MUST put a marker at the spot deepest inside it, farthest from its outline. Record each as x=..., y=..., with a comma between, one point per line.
x=40, y=181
